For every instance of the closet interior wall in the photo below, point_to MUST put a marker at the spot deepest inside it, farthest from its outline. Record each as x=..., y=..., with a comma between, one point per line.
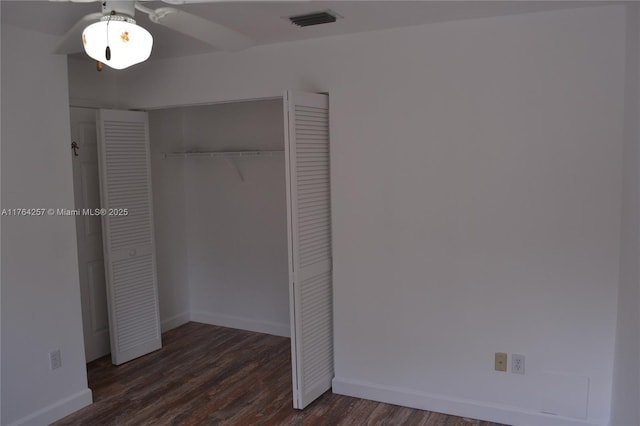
x=220, y=226
x=169, y=215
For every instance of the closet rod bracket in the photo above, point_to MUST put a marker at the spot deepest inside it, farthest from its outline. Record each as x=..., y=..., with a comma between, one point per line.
x=230, y=156
x=234, y=164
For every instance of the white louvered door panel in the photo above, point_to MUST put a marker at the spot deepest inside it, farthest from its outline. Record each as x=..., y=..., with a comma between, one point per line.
x=310, y=267
x=129, y=247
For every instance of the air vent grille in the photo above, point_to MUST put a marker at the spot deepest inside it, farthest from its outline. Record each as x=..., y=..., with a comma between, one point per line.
x=315, y=18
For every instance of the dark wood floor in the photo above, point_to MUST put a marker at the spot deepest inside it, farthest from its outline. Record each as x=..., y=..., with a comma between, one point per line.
x=207, y=375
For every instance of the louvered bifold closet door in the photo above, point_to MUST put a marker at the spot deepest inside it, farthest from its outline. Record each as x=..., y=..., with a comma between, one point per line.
x=309, y=214
x=127, y=227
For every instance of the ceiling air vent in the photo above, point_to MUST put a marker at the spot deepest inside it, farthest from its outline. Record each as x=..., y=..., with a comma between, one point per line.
x=315, y=18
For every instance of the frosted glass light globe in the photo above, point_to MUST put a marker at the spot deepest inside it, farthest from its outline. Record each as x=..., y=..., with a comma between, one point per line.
x=129, y=44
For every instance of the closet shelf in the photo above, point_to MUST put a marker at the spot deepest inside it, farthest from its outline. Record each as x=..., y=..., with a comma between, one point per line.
x=223, y=154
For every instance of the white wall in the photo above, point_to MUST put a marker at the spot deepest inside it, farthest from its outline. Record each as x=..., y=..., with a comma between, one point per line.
x=169, y=216
x=236, y=248
x=626, y=380
x=90, y=88
x=40, y=289
x=476, y=202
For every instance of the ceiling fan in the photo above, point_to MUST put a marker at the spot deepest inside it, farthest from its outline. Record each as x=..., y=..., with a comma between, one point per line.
x=112, y=37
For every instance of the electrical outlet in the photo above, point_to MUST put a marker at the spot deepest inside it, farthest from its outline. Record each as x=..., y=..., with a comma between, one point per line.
x=55, y=359
x=500, y=361
x=517, y=364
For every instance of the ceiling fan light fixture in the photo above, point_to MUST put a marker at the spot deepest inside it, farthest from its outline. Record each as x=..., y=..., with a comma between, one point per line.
x=117, y=42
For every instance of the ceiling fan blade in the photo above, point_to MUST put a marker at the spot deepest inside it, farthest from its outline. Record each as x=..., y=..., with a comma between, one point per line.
x=202, y=29
x=72, y=40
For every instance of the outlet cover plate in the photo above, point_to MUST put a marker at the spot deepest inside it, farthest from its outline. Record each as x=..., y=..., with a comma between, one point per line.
x=55, y=359
x=517, y=364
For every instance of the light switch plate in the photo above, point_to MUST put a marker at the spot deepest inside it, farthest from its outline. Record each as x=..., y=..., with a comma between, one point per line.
x=501, y=361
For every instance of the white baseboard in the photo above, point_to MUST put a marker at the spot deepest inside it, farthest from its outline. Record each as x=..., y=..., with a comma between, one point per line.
x=450, y=405
x=57, y=411
x=175, y=321
x=241, y=323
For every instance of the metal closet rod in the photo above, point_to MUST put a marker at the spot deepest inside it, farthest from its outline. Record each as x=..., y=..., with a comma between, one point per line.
x=223, y=154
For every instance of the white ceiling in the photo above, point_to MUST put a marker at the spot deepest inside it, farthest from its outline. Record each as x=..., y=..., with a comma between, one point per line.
x=265, y=21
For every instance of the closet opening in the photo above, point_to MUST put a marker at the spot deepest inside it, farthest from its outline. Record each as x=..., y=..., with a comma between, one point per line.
x=221, y=212
x=241, y=216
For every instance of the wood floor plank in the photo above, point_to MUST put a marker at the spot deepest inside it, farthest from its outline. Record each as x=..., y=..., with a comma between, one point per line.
x=208, y=375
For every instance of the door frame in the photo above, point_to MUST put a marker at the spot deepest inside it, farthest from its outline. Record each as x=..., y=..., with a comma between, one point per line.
x=100, y=348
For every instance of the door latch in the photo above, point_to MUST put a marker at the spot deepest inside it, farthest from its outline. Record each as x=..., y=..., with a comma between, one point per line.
x=75, y=148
